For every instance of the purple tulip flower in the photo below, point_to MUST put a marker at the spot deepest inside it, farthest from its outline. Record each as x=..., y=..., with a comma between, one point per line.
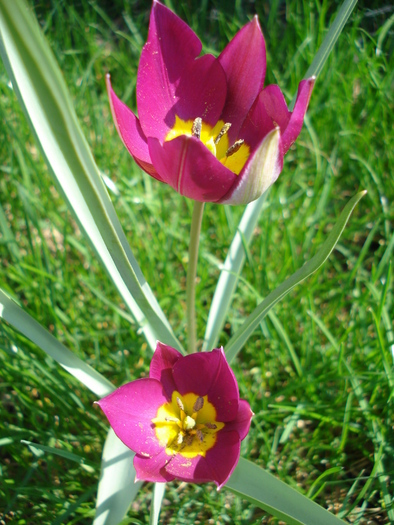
x=186, y=421
x=207, y=126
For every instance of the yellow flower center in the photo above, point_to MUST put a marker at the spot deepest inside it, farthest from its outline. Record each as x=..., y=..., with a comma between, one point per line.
x=187, y=425
x=216, y=140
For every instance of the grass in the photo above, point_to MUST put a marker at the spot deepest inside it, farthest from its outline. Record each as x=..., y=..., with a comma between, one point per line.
x=318, y=373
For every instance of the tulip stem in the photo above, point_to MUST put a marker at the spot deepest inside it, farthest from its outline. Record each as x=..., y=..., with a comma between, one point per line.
x=195, y=229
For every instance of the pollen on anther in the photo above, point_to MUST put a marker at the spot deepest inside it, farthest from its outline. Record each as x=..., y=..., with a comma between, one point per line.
x=200, y=435
x=198, y=404
x=196, y=128
x=180, y=404
x=222, y=132
x=234, y=148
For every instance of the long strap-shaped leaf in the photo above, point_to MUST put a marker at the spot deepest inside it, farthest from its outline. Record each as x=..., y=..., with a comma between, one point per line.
x=269, y=493
x=230, y=272
x=245, y=331
x=116, y=486
x=30, y=328
x=331, y=38
x=236, y=255
x=43, y=94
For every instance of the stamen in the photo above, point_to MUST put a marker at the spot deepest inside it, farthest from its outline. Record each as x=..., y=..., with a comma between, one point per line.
x=196, y=128
x=198, y=404
x=180, y=404
x=179, y=439
x=172, y=419
x=188, y=440
x=211, y=426
x=200, y=436
x=234, y=148
x=222, y=132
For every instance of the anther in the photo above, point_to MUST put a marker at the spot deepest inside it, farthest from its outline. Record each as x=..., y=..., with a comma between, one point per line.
x=180, y=404
x=234, y=148
x=200, y=436
x=188, y=440
x=211, y=426
x=198, y=404
x=172, y=419
x=196, y=128
x=179, y=439
x=222, y=132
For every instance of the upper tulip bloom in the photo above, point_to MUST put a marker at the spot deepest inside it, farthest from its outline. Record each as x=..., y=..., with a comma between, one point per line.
x=206, y=125
x=185, y=421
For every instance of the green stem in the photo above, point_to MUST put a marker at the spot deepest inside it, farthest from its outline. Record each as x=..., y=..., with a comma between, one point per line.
x=195, y=229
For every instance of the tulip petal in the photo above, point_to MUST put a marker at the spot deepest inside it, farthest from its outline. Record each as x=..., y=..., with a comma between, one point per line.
x=259, y=173
x=130, y=131
x=161, y=365
x=296, y=120
x=244, y=62
x=217, y=465
x=208, y=373
x=190, y=168
x=152, y=469
x=242, y=422
x=172, y=81
x=130, y=410
x=270, y=110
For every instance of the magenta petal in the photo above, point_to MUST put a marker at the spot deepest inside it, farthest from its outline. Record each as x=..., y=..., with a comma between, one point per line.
x=296, y=121
x=244, y=62
x=270, y=110
x=152, y=469
x=161, y=365
x=129, y=129
x=242, y=422
x=208, y=373
x=170, y=81
x=130, y=410
x=191, y=169
x=217, y=465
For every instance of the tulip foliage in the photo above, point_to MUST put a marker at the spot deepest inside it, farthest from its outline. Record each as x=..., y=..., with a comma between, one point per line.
x=209, y=128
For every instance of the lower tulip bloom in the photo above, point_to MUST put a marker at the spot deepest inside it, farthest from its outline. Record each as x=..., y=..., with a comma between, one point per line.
x=185, y=421
x=207, y=126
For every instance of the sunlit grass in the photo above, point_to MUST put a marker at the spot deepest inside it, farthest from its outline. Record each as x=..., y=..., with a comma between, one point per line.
x=318, y=373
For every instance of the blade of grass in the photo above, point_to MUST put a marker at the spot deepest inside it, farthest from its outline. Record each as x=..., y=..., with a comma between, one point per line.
x=58, y=452
x=42, y=92
x=250, y=324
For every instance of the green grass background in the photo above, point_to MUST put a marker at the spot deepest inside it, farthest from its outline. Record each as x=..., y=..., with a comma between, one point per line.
x=326, y=426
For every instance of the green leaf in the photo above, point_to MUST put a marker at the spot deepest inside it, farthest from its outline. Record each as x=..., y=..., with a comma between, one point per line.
x=157, y=499
x=230, y=272
x=42, y=92
x=331, y=38
x=272, y=495
x=30, y=328
x=37, y=449
x=116, y=489
x=250, y=324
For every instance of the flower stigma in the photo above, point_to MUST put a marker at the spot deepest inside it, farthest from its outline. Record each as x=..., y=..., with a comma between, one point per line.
x=187, y=425
x=215, y=138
